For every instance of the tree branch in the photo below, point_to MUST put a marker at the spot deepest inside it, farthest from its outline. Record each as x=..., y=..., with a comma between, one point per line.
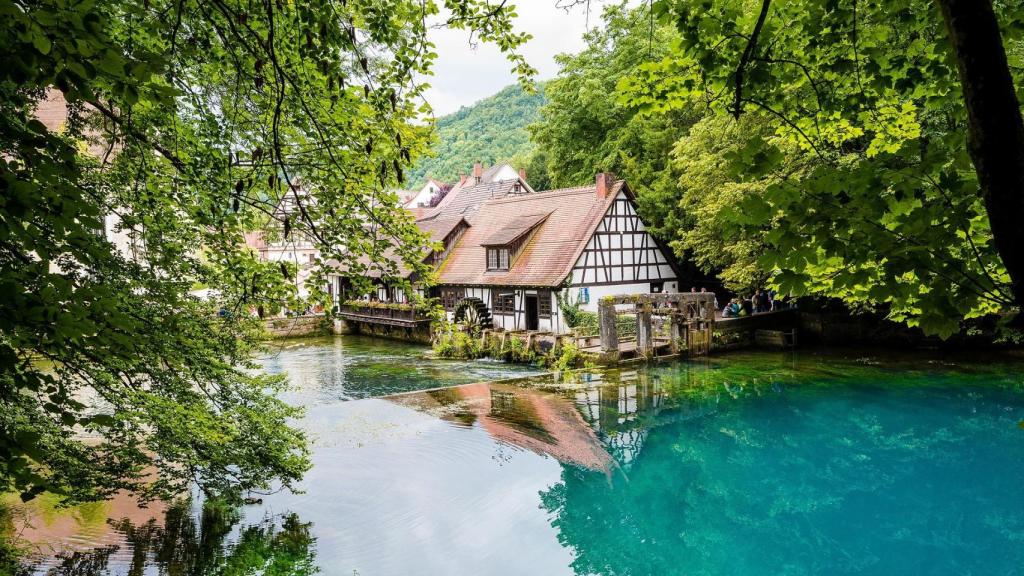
x=748, y=53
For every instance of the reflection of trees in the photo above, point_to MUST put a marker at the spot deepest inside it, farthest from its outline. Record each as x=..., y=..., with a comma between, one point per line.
x=184, y=546
x=748, y=473
x=449, y=397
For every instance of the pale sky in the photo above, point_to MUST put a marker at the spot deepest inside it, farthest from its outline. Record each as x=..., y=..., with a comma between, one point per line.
x=463, y=75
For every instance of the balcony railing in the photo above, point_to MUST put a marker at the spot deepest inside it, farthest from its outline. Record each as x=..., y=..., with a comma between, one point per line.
x=382, y=313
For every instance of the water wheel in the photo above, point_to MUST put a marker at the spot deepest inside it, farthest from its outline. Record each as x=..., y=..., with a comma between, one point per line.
x=473, y=313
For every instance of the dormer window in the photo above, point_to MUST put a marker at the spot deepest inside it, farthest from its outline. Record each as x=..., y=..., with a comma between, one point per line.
x=497, y=259
x=504, y=246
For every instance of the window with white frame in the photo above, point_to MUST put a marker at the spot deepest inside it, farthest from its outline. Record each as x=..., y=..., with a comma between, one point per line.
x=497, y=258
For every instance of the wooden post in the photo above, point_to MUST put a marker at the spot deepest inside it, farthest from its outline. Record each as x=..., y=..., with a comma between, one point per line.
x=675, y=333
x=609, y=333
x=644, y=340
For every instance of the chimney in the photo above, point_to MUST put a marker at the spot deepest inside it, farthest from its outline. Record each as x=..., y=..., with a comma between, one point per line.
x=522, y=174
x=605, y=181
x=462, y=179
x=478, y=171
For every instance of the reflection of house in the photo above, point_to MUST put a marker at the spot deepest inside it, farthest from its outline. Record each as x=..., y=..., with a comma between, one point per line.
x=623, y=406
x=539, y=421
x=619, y=412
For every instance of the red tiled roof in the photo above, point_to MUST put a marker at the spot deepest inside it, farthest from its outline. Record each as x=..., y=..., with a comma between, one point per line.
x=437, y=229
x=548, y=257
x=370, y=268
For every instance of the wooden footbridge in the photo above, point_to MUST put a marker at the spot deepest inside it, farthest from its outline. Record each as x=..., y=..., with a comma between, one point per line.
x=666, y=325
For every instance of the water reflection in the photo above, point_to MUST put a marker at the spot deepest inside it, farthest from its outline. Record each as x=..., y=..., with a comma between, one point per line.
x=824, y=469
x=751, y=464
x=327, y=370
x=533, y=419
x=210, y=542
x=596, y=420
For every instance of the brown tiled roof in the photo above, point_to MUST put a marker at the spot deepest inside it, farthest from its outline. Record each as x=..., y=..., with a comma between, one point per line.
x=373, y=269
x=515, y=229
x=440, y=227
x=489, y=174
x=466, y=199
x=255, y=240
x=52, y=110
x=437, y=229
x=548, y=257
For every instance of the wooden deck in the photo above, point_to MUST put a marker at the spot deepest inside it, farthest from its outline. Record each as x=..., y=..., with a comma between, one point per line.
x=627, y=349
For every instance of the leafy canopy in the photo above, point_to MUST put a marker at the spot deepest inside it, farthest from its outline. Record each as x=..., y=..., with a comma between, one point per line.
x=888, y=211
x=583, y=129
x=189, y=121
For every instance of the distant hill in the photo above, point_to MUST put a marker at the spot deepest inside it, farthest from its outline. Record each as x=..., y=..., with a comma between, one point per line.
x=491, y=130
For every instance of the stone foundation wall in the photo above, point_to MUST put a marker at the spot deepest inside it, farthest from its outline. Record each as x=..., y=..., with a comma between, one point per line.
x=296, y=326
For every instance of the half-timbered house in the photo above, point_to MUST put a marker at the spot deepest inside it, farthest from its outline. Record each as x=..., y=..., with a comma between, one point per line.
x=511, y=252
x=521, y=250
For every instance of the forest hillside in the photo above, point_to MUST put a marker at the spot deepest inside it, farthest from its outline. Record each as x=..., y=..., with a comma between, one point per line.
x=491, y=130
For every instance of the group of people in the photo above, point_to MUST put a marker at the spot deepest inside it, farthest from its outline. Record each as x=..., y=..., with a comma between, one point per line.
x=760, y=301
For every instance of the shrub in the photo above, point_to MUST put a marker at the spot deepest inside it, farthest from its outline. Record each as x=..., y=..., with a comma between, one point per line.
x=515, y=350
x=566, y=357
x=456, y=344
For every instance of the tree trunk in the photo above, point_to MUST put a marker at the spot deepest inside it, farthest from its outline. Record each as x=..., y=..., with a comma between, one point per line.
x=995, y=127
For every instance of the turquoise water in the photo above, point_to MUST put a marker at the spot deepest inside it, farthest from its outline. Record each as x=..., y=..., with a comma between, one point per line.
x=331, y=369
x=749, y=464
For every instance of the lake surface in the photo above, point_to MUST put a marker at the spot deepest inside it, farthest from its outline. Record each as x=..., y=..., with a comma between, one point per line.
x=750, y=463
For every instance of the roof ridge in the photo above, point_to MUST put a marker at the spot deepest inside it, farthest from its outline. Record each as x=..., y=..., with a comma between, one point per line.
x=555, y=192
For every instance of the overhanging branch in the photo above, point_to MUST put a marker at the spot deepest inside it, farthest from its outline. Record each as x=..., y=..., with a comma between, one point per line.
x=748, y=53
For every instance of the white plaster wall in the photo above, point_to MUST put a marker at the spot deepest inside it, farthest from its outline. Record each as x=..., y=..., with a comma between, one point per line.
x=298, y=255
x=598, y=292
x=424, y=195
x=506, y=173
x=121, y=239
x=553, y=324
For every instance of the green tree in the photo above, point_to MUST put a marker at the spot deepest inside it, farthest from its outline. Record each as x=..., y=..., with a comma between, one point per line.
x=584, y=129
x=706, y=166
x=890, y=211
x=491, y=131
x=189, y=121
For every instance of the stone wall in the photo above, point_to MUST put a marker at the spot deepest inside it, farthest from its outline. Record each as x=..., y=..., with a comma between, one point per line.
x=296, y=326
